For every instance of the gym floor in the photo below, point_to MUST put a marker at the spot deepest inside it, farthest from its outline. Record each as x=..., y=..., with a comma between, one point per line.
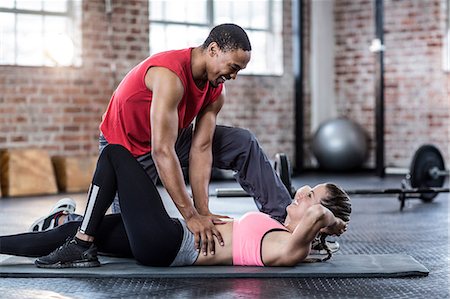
x=377, y=226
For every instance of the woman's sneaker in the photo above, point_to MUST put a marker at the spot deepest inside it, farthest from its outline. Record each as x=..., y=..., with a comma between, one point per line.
x=316, y=248
x=71, y=254
x=63, y=207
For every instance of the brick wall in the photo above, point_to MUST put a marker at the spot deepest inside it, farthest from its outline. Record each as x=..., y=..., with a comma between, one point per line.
x=59, y=109
x=417, y=108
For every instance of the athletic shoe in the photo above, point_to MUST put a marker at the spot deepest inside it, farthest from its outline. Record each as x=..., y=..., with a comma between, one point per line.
x=317, y=250
x=64, y=206
x=70, y=255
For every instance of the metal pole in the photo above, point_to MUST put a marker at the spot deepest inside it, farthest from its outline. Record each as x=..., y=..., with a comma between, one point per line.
x=379, y=88
x=297, y=33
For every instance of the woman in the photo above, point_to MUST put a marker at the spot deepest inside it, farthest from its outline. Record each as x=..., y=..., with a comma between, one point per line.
x=145, y=231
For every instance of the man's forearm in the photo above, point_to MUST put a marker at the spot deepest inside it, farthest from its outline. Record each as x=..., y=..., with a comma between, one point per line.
x=200, y=163
x=170, y=173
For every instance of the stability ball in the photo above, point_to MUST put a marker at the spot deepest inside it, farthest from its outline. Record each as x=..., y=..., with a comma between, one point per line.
x=340, y=144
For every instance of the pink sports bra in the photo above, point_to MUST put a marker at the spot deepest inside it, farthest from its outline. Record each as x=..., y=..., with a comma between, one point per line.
x=248, y=233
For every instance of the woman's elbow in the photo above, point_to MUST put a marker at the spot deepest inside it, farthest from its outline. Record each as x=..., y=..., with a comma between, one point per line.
x=293, y=259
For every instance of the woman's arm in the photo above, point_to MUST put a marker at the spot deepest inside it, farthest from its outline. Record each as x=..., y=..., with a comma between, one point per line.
x=298, y=246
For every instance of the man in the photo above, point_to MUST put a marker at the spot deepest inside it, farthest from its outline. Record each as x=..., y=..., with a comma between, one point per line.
x=151, y=114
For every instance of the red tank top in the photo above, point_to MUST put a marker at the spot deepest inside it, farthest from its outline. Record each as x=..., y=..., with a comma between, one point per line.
x=127, y=119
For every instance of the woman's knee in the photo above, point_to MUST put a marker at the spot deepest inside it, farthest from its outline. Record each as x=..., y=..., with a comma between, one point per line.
x=114, y=150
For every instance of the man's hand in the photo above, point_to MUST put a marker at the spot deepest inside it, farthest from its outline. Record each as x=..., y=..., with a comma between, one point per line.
x=217, y=219
x=337, y=229
x=204, y=231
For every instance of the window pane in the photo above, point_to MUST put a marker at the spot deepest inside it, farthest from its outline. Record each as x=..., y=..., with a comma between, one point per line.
x=193, y=11
x=249, y=13
x=175, y=10
x=275, y=60
x=179, y=35
x=267, y=56
x=156, y=8
x=55, y=24
x=223, y=12
x=29, y=40
x=259, y=14
x=7, y=41
x=157, y=38
x=241, y=13
x=74, y=31
x=197, y=12
x=7, y=3
x=170, y=37
x=259, y=44
x=29, y=4
x=277, y=16
x=197, y=35
x=58, y=47
x=55, y=5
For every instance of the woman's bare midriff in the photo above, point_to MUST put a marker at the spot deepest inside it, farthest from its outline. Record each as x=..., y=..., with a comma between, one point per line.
x=224, y=254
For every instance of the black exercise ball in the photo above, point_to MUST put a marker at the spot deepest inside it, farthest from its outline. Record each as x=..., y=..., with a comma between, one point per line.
x=340, y=144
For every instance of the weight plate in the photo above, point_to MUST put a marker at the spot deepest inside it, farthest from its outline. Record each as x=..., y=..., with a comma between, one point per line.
x=283, y=169
x=426, y=158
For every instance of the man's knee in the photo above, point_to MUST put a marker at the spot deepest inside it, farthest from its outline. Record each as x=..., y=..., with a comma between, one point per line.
x=245, y=137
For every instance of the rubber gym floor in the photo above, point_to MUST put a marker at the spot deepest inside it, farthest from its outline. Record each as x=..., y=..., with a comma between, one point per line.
x=377, y=226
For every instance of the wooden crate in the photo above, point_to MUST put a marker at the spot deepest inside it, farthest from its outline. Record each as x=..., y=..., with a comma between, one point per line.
x=26, y=172
x=74, y=174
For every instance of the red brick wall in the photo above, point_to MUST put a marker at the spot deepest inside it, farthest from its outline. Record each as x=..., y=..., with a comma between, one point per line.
x=417, y=108
x=59, y=109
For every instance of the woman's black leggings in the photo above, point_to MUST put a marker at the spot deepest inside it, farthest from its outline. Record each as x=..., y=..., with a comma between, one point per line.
x=143, y=230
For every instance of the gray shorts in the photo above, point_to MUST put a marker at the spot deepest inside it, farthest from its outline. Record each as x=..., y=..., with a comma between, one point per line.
x=187, y=255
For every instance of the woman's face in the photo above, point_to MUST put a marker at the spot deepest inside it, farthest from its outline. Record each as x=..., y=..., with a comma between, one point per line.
x=305, y=197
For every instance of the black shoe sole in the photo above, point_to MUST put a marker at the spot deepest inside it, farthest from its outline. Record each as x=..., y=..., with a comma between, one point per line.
x=75, y=264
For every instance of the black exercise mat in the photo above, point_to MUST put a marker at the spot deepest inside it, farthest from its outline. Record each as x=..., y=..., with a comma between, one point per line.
x=378, y=265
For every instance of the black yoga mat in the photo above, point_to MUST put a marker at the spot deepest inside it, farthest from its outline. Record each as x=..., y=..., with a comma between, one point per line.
x=363, y=266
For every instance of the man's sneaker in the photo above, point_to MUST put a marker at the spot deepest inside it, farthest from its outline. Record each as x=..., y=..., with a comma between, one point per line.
x=70, y=255
x=63, y=207
x=316, y=249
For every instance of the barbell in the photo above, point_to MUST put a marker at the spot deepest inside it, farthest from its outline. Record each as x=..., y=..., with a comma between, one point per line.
x=425, y=179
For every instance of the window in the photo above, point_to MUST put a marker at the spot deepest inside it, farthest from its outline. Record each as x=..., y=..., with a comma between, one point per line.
x=40, y=32
x=178, y=24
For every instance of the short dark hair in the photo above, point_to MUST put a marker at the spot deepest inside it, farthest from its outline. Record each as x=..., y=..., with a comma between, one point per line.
x=228, y=37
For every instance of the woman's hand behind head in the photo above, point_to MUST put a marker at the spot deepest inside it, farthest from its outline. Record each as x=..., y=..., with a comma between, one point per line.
x=336, y=229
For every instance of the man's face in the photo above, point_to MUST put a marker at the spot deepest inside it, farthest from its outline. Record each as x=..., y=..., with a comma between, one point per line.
x=224, y=66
